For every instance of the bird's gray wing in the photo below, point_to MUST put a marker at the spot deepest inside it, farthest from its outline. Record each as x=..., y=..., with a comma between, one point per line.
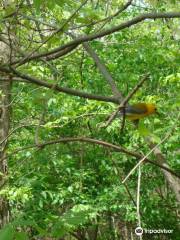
x=133, y=110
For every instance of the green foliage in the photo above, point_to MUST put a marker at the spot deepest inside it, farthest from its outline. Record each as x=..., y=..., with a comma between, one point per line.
x=75, y=188
x=37, y=4
x=7, y=233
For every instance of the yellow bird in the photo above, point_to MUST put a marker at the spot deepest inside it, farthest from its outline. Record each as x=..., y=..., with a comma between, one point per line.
x=139, y=110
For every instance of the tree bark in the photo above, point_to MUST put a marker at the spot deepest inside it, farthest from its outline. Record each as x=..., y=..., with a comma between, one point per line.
x=5, y=90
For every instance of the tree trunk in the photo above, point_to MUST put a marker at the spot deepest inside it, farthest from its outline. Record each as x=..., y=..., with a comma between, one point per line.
x=5, y=89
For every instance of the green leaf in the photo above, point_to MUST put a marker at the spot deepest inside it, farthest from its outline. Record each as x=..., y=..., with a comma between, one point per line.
x=143, y=131
x=51, y=4
x=37, y=4
x=7, y=233
x=22, y=222
x=21, y=236
x=71, y=219
x=10, y=9
x=155, y=138
x=60, y=2
x=59, y=230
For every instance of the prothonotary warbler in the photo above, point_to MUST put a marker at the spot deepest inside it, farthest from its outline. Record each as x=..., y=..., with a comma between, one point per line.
x=139, y=110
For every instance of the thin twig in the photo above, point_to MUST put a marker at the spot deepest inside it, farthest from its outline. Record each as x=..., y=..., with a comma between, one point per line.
x=10, y=133
x=57, y=31
x=106, y=32
x=144, y=158
x=126, y=99
x=107, y=19
x=138, y=198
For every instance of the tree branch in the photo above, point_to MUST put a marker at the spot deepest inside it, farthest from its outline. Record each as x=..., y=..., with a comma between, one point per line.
x=57, y=31
x=106, y=32
x=103, y=69
x=107, y=19
x=58, y=88
x=126, y=99
x=94, y=141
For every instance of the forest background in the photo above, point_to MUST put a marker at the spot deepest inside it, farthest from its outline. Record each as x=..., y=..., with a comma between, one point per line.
x=69, y=168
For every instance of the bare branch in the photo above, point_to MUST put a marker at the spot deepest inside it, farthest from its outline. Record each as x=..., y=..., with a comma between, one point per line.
x=144, y=158
x=57, y=31
x=58, y=88
x=103, y=33
x=173, y=182
x=93, y=141
x=103, y=69
x=126, y=99
x=107, y=19
x=138, y=199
